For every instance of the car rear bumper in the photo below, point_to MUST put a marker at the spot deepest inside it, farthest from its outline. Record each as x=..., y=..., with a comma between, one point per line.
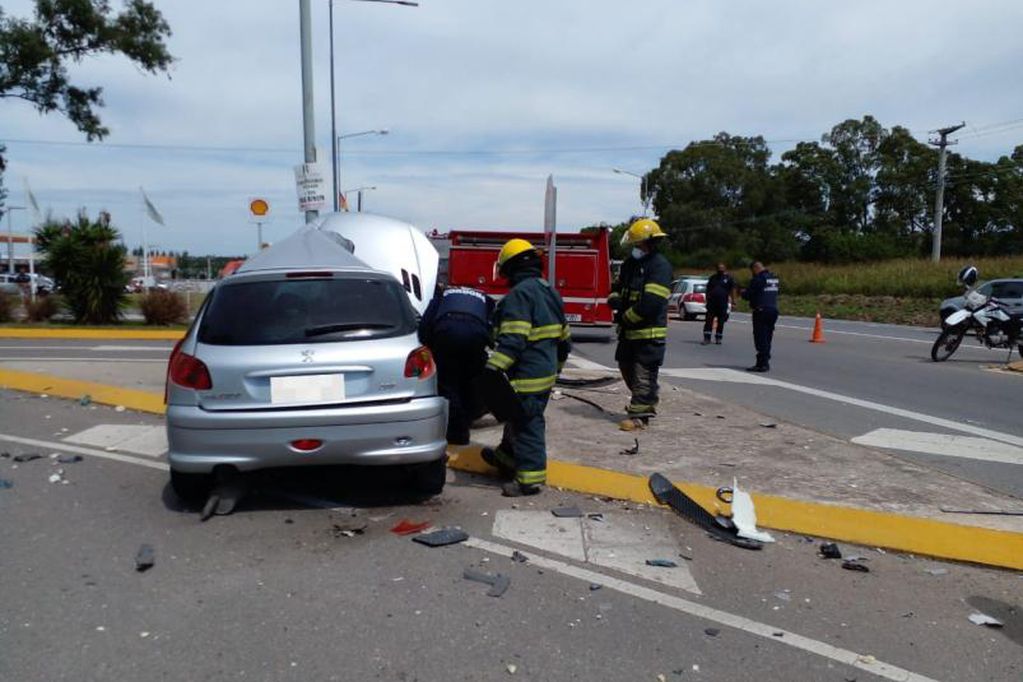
x=402, y=433
x=694, y=308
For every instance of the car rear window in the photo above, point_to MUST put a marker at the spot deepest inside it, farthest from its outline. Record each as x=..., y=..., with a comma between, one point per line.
x=315, y=310
x=699, y=288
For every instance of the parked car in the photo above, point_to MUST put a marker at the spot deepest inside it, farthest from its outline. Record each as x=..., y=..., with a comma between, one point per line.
x=1008, y=291
x=304, y=356
x=9, y=286
x=688, y=297
x=43, y=285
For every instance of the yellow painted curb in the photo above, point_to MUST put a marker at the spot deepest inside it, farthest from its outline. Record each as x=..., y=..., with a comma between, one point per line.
x=143, y=401
x=909, y=534
x=90, y=333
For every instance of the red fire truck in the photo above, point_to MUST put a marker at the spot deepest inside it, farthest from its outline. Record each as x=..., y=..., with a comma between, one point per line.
x=582, y=269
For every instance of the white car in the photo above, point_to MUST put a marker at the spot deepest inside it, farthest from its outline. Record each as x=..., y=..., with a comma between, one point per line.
x=688, y=297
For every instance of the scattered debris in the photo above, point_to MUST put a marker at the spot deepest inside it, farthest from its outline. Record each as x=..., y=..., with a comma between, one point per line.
x=769, y=425
x=5, y=484
x=661, y=678
x=634, y=450
x=406, y=527
x=57, y=477
x=855, y=566
x=27, y=457
x=289, y=521
x=69, y=459
x=666, y=493
x=720, y=416
x=225, y=495
x=518, y=557
x=995, y=512
x=829, y=550
x=857, y=557
x=145, y=558
x=557, y=395
x=498, y=583
x=85, y=400
x=572, y=512
x=784, y=595
x=712, y=632
x=984, y=619
x=937, y=571
x=511, y=668
x=347, y=531
x=119, y=408
x=744, y=516
x=868, y=659
x=442, y=537
x=595, y=586
x=596, y=516
x=661, y=563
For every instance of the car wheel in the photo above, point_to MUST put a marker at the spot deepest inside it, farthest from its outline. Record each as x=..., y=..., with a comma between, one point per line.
x=428, y=478
x=191, y=487
x=688, y=317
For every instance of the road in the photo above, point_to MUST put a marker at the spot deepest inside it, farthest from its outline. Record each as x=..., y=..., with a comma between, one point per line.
x=868, y=381
x=305, y=581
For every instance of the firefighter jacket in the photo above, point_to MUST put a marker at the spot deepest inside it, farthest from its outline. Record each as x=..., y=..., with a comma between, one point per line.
x=640, y=295
x=532, y=338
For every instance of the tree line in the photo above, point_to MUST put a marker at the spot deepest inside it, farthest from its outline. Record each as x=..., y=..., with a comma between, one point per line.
x=864, y=192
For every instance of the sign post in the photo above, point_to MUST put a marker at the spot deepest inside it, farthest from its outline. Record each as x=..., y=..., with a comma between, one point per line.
x=550, y=232
x=259, y=209
x=311, y=187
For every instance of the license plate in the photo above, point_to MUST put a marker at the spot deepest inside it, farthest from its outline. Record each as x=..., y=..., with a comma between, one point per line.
x=573, y=317
x=308, y=388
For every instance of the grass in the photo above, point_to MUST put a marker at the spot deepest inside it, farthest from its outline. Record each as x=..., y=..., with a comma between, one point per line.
x=920, y=312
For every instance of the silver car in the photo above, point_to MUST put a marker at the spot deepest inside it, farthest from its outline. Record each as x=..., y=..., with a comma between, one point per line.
x=1008, y=291
x=304, y=356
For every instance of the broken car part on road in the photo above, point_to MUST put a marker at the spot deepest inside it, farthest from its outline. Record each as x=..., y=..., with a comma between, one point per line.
x=665, y=492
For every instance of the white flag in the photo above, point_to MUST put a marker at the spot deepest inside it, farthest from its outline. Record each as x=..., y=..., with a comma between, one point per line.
x=154, y=215
x=32, y=200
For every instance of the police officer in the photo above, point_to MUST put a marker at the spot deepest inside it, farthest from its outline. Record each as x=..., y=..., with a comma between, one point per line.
x=640, y=299
x=532, y=344
x=456, y=328
x=762, y=295
x=720, y=292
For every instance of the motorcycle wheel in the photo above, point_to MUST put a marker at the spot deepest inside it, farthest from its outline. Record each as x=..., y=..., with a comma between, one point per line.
x=947, y=343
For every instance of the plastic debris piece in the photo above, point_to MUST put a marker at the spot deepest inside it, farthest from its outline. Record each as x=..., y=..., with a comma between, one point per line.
x=744, y=516
x=634, y=450
x=348, y=530
x=511, y=668
x=55, y=478
x=27, y=457
x=661, y=563
x=769, y=425
x=518, y=557
x=85, y=400
x=595, y=586
x=665, y=492
x=567, y=512
x=406, y=527
x=661, y=678
x=145, y=558
x=441, y=538
x=784, y=596
x=712, y=632
x=69, y=459
x=855, y=566
x=5, y=484
x=499, y=583
x=596, y=516
x=984, y=619
x=119, y=408
x=868, y=659
x=937, y=571
x=829, y=550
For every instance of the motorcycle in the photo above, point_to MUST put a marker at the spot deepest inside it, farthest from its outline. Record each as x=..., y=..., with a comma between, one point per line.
x=983, y=316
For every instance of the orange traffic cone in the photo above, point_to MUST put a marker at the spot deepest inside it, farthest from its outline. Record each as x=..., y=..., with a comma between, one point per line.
x=818, y=330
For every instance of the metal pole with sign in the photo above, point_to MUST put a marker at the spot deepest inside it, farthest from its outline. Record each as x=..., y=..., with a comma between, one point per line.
x=259, y=209
x=550, y=231
x=312, y=189
x=309, y=135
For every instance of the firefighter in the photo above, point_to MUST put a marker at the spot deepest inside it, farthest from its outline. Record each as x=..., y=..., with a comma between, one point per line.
x=532, y=343
x=456, y=328
x=640, y=301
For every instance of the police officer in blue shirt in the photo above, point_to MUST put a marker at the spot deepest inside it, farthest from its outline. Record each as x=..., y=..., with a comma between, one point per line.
x=456, y=328
x=762, y=295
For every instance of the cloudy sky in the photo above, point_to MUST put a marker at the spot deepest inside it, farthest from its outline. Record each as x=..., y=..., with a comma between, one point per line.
x=485, y=98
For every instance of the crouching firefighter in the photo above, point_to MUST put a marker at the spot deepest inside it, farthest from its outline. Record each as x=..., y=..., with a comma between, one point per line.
x=456, y=328
x=532, y=343
x=640, y=301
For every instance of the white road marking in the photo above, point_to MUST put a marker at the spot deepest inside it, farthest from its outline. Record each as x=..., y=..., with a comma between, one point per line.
x=84, y=358
x=623, y=544
x=718, y=374
x=768, y=632
x=582, y=363
x=141, y=349
x=140, y=440
x=944, y=444
x=117, y=457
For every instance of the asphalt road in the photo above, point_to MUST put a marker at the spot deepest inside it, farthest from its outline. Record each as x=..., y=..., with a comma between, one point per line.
x=888, y=367
x=279, y=590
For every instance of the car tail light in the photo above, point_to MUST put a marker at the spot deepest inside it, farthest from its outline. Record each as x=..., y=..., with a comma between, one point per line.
x=188, y=371
x=170, y=363
x=306, y=444
x=693, y=298
x=420, y=364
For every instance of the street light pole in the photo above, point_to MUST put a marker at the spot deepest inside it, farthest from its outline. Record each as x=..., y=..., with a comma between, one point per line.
x=337, y=151
x=333, y=116
x=308, y=130
x=10, y=237
x=642, y=187
x=359, y=191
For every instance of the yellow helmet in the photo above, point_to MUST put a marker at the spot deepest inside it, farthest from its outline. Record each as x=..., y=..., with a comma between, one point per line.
x=641, y=230
x=513, y=248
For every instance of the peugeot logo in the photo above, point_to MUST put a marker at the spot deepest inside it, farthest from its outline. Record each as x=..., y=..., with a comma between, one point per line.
x=307, y=355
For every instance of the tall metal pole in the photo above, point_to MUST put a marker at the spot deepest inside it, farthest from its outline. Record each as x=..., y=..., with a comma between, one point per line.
x=939, y=198
x=335, y=180
x=308, y=129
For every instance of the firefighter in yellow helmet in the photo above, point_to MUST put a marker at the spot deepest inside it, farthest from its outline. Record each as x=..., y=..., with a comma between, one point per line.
x=639, y=298
x=532, y=343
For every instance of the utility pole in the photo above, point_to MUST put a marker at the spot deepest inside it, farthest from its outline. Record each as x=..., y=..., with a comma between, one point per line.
x=305, y=37
x=939, y=199
x=333, y=117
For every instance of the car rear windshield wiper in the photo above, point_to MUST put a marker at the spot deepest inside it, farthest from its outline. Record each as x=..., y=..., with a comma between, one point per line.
x=345, y=326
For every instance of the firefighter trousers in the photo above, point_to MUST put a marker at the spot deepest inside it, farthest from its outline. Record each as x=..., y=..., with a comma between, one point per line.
x=640, y=362
x=523, y=446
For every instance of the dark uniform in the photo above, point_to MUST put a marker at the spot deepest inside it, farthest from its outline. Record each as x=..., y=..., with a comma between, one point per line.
x=762, y=295
x=533, y=342
x=641, y=296
x=720, y=286
x=456, y=328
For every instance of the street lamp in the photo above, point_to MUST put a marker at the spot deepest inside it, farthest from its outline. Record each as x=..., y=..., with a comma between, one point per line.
x=10, y=237
x=359, y=190
x=337, y=157
x=333, y=116
x=642, y=186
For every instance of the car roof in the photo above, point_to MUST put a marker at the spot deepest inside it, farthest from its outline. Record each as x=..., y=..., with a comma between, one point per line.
x=308, y=247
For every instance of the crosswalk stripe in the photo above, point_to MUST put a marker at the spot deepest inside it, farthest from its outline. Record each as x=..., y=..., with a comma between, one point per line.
x=944, y=444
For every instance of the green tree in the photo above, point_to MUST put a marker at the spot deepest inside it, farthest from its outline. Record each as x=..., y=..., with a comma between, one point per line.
x=89, y=266
x=35, y=54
